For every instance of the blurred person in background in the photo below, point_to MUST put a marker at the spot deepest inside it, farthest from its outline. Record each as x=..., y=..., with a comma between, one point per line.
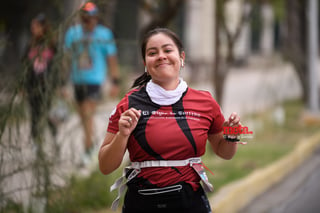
x=92, y=50
x=164, y=125
x=40, y=77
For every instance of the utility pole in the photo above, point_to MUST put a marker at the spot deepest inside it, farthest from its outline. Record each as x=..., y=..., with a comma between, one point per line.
x=313, y=56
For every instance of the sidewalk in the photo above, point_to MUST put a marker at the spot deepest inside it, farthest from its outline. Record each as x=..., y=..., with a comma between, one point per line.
x=255, y=88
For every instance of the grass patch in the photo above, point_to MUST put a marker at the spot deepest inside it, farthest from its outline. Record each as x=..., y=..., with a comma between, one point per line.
x=85, y=194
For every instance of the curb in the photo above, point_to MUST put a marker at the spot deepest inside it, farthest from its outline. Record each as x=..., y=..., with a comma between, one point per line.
x=238, y=194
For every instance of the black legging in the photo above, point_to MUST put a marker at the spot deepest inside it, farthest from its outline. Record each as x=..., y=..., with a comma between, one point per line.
x=185, y=200
x=40, y=100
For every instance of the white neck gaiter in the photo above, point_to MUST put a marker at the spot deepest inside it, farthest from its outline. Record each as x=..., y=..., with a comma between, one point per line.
x=164, y=97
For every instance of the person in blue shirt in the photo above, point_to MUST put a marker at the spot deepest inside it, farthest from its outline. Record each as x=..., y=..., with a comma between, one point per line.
x=93, y=52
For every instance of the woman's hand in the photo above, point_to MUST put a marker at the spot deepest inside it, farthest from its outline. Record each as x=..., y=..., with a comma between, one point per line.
x=114, y=145
x=234, y=120
x=230, y=126
x=218, y=141
x=128, y=121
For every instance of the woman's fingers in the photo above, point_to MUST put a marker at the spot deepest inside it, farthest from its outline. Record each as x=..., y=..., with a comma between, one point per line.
x=129, y=119
x=133, y=114
x=234, y=119
x=231, y=126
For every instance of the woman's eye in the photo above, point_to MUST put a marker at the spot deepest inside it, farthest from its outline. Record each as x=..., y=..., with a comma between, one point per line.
x=167, y=51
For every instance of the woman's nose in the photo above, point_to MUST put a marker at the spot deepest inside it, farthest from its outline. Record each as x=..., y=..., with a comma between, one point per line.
x=162, y=55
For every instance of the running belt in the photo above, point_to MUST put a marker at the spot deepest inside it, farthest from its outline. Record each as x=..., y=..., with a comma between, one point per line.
x=121, y=185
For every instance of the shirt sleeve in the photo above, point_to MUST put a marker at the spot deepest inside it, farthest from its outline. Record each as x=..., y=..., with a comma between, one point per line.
x=110, y=48
x=218, y=119
x=114, y=117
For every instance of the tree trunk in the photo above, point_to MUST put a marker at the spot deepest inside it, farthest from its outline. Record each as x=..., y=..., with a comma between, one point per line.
x=216, y=71
x=163, y=18
x=222, y=65
x=295, y=46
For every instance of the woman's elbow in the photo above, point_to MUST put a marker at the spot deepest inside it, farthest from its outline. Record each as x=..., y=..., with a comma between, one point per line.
x=104, y=170
x=108, y=168
x=226, y=156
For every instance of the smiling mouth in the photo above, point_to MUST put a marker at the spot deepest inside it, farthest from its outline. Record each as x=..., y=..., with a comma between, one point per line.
x=159, y=65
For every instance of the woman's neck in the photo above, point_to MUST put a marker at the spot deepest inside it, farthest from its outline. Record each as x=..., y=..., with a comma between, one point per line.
x=165, y=96
x=168, y=85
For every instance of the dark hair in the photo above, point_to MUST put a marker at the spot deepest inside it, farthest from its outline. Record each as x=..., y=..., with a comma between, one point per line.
x=41, y=18
x=145, y=77
x=43, y=21
x=48, y=36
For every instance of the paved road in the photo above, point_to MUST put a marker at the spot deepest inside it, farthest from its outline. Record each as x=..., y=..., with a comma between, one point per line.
x=298, y=192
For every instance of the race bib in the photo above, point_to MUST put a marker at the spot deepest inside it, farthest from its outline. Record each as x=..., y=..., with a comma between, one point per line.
x=84, y=61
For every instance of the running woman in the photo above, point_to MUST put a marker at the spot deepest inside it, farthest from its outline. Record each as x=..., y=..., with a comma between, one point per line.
x=164, y=125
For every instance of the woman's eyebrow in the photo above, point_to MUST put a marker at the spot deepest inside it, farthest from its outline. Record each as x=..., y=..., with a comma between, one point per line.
x=163, y=46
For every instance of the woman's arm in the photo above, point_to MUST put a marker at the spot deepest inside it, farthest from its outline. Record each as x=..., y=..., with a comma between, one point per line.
x=111, y=152
x=114, y=145
x=222, y=147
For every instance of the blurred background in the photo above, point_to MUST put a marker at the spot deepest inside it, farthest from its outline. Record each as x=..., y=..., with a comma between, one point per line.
x=257, y=57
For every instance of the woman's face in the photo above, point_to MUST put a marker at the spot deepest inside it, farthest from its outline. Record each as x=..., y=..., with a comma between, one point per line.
x=163, y=61
x=36, y=29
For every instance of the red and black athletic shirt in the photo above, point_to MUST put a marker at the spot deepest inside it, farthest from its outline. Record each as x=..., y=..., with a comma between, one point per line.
x=174, y=132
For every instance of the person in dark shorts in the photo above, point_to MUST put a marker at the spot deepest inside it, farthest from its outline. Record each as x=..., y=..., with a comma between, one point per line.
x=93, y=52
x=165, y=125
x=84, y=92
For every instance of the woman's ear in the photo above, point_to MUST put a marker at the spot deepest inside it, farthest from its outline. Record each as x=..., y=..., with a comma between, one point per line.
x=182, y=58
x=183, y=55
